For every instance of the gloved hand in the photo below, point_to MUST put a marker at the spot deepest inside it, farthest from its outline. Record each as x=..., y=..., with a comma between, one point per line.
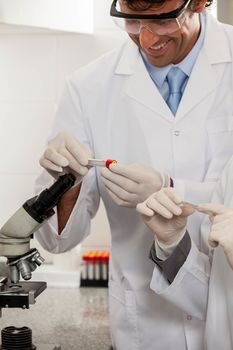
x=64, y=152
x=221, y=229
x=131, y=184
x=164, y=216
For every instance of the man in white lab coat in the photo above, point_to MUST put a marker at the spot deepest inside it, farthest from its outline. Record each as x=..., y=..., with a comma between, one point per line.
x=166, y=216
x=122, y=106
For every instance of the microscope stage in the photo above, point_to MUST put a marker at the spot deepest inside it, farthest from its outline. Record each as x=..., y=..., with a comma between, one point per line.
x=20, y=295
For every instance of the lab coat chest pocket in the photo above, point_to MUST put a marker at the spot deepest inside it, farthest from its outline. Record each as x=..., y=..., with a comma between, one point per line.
x=123, y=317
x=220, y=140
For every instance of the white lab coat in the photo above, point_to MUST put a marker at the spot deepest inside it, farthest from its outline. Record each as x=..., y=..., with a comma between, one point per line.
x=195, y=271
x=219, y=323
x=112, y=106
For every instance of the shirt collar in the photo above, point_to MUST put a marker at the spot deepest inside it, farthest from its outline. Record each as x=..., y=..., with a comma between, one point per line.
x=158, y=74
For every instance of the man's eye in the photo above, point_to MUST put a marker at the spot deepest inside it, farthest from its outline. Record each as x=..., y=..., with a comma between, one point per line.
x=157, y=2
x=131, y=22
x=144, y=5
x=166, y=22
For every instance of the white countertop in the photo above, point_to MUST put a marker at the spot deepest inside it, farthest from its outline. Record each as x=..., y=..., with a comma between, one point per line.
x=75, y=318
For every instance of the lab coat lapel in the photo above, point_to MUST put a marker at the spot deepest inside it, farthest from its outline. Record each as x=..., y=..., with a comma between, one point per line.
x=202, y=82
x=139, y=85
x=206, y=76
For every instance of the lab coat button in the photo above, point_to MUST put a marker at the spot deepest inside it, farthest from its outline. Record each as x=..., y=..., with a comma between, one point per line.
x=176, y=133
x=189, y=317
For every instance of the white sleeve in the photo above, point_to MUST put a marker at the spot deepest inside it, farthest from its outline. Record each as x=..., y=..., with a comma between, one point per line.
x=78, y=225
x=70, y=118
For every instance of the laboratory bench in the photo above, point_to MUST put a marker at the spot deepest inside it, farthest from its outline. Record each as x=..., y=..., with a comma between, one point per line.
x=74, y=318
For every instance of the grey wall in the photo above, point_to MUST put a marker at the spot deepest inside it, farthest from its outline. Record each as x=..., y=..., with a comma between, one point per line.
x=225, y=11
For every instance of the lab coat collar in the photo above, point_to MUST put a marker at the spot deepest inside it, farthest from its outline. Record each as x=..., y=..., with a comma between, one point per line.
x=145, y=92
x=216, y=44
x=215, y=50
x=204, y=78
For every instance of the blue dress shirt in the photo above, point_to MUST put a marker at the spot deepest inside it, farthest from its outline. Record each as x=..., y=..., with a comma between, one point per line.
x=159, y=74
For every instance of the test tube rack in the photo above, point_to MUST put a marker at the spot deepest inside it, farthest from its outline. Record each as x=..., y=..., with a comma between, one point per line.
x=95, y=269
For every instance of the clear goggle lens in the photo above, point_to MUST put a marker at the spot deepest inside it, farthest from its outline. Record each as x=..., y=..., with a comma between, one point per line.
x=160, y=27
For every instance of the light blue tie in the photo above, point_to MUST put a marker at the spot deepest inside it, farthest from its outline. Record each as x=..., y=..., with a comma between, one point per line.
x=176, y=79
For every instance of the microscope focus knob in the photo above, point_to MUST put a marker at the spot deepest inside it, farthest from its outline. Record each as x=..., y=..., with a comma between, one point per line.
x=17, y=338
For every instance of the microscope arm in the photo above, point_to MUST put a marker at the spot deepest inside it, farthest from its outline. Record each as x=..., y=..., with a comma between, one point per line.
x=16, y=233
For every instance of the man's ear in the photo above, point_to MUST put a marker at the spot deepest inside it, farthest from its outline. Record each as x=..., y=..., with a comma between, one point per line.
x=198, y=6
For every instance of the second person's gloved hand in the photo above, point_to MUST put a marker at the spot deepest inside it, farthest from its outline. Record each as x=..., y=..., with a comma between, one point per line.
x=64, y=152
x=221, y=232
x=131, y=184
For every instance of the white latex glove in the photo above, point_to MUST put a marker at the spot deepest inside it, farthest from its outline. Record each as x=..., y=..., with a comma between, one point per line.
x=221, y=229
x=131, y=184
x=164, y=216
x=65, y=153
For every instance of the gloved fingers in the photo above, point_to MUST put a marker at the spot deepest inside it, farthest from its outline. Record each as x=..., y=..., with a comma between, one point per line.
x=120, y=202
x=66, y=145
x=136, y=172
x=143, y=209
x=213, y=238
x=187, y=210
x=212, y=242
x=153, y=203
x=221, y=230
x=118, y=191
x=163, y=206
x=222, y=236
x=212, y=208
x=166, y=198
x=51, y=156
x=52, y=160
x=127, y=171
x=67, y=141
x=49, y=166
x=74, y=164
x=171, y=193
x=223, y=220
x=57, y=164
x=164, y=202
x=78, y=151
x=126, y=184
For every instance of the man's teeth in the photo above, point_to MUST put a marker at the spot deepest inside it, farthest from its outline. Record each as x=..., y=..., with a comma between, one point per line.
x=159, y=47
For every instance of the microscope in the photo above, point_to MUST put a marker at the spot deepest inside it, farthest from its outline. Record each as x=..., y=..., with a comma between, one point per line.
x=16, y=291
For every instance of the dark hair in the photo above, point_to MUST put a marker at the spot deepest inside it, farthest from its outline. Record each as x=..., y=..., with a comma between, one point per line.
x=141, y=5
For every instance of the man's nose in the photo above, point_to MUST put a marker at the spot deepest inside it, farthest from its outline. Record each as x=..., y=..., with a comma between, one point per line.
x=147, y=38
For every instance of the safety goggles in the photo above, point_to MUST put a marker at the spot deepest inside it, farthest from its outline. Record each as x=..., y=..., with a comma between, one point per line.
x=161, y=24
